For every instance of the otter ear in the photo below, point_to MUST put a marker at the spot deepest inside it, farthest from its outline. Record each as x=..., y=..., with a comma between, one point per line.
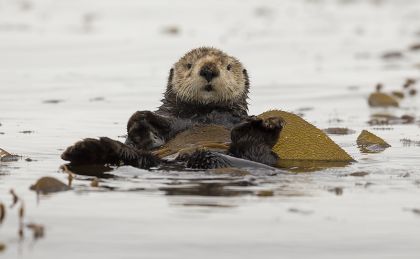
x=246, y=77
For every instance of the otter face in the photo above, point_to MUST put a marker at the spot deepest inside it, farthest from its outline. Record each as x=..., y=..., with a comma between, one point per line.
x=208, y=75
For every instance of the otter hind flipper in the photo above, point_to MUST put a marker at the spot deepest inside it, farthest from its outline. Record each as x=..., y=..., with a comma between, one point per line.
x=204, y=159
x=87, y=151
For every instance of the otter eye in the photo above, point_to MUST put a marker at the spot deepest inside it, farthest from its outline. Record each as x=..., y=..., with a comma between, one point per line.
x=189, y=65
x=229, y=67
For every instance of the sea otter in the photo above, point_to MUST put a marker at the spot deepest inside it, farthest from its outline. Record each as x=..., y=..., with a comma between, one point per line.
x=205, y=86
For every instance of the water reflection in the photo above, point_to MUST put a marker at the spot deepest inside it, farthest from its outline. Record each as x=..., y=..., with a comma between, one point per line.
x=305, y=166
x=210, y=189
x=100, y=171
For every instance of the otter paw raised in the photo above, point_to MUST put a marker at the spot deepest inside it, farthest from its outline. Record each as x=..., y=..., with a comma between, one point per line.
x=147, y=130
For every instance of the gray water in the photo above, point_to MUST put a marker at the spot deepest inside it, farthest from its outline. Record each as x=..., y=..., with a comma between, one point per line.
x=76, y=69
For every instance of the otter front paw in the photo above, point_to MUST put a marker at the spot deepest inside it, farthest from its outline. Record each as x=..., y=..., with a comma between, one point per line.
x=258, y=131
x=254, y=139
x=147, y=130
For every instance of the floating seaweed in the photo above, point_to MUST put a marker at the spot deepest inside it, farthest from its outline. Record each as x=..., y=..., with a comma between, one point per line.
x=370, y=143
x=7, y=157
x=48, y=184
x=300, y=140
x=37, y=230
x=382, y=100
x=2, y=212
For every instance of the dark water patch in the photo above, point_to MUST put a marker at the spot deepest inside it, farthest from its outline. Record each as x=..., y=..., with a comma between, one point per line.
x=415, y=211
x=301, y=111
x=230, y=171
x=405, y=175
x=335, y=120
x=171, y=30
x=383, y=128
x=408, y=142
x=300, y=211
x=394, y=54
x=86, y=188
x=207, y=204
x=365, y=185
x=53, y=101
x=414, y=47
x=26, y=131
x=209, y=189
x=100, y=171
x=358, y=174
x=336, y=190
x=339, y=131
x=97, y=99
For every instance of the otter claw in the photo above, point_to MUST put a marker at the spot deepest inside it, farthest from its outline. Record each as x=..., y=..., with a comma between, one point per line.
x=128, y=154
x=273, y=123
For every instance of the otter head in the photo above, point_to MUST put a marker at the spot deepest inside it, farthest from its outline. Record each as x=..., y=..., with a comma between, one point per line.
x=209, y=76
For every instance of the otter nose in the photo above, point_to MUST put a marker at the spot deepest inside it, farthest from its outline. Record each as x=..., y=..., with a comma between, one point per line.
x=208, y=73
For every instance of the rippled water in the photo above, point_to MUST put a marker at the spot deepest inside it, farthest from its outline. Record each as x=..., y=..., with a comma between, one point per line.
x=75, y=69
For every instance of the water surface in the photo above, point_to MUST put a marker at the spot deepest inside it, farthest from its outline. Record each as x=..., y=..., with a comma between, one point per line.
x=75, y=69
